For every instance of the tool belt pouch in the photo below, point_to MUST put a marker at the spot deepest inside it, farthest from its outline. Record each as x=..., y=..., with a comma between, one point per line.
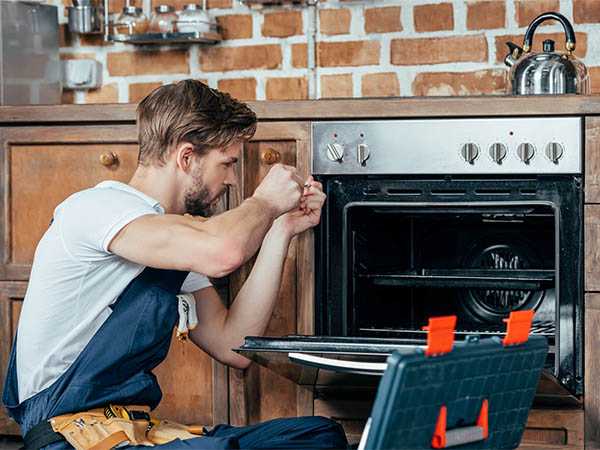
x=166, y=431
x=92, y=430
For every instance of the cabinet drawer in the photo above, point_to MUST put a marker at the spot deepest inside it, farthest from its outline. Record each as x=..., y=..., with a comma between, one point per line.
x=44, y=166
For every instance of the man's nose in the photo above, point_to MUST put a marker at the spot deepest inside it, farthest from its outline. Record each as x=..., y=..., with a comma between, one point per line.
x=231, y=179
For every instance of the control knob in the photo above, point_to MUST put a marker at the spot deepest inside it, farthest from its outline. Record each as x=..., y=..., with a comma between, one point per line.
x=469, y=152
x=335, y=151
x=554, y=151
x=362, y=153
x=498, y=152
x=525, y=152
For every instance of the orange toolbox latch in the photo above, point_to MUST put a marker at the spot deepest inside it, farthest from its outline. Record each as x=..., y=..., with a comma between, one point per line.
x=440, y=335
x=518, y=326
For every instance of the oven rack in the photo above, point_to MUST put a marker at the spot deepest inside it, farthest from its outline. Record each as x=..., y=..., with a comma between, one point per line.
x=542, y=328
x=514, y=279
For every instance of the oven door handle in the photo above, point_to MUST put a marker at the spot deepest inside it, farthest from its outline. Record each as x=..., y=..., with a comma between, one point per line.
x=339, y=365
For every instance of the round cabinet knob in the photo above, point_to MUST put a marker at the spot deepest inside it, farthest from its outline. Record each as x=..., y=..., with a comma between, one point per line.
x=270, y=156
x=525, y=152
x=498, y=152
x=554, y=151
x=362, y=153
x=469, y=152
x=335, y=151
x=108, y=158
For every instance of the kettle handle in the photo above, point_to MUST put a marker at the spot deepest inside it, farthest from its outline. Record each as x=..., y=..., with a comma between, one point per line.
x=570, y=44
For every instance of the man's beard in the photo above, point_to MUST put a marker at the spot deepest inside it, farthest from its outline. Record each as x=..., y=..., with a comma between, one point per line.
x=197, y=199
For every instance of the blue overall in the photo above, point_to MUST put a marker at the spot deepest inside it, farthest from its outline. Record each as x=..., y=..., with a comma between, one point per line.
x=115, y=367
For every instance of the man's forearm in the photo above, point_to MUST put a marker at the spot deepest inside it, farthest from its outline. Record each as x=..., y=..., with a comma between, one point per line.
x=253, y=306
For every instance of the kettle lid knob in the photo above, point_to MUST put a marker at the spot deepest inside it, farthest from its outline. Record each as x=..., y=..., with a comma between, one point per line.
x=548, y=45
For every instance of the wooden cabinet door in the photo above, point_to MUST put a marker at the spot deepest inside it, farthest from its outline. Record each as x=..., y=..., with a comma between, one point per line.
x=44, y=165
x=11, y=300
x=257, y=394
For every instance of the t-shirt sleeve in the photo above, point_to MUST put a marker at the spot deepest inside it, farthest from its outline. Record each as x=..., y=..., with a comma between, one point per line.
x=195, y=282
x=90, y=219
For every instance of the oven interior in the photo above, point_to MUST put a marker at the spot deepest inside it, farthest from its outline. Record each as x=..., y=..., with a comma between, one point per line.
x=409, y=263
x=393, y=251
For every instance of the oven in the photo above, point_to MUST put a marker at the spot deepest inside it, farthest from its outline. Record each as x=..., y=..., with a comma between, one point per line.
x=468, y=217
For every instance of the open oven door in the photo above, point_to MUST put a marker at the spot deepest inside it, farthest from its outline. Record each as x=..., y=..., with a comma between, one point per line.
x=330, y=365
x=327, y=364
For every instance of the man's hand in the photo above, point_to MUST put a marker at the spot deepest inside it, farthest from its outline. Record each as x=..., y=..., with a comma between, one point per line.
x=308, y=213
x=280, y=189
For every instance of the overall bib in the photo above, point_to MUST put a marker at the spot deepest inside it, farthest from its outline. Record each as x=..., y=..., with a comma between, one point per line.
x=115, y=368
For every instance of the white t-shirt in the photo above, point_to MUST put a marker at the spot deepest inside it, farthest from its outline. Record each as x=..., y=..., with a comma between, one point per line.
x=75, y=278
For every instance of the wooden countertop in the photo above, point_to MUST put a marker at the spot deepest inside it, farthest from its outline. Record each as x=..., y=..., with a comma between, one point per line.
x=335, y=109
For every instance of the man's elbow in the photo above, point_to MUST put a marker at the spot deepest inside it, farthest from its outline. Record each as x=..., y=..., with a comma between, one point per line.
x=241, y=363
x=232, y=359
x=226, y=258
x=230, y=259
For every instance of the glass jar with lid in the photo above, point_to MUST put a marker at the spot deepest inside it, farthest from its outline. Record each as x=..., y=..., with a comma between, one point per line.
x=131, y=21
x=163, y=20
x=193, y=19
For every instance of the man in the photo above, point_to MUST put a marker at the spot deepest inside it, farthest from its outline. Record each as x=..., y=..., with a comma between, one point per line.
x=101, y=302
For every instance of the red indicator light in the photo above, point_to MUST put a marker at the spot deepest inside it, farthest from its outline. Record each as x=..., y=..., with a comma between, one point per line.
x=511, y=133
x=362, y=135
x=334, y=134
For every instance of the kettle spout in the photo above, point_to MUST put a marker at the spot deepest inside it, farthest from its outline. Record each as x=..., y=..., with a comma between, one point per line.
x=514, y=52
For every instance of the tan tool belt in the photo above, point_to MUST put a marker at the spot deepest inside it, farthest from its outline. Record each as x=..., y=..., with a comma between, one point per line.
x=106, y=428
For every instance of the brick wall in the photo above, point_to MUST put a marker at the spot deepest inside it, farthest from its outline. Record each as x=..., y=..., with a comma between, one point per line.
x=363, y=48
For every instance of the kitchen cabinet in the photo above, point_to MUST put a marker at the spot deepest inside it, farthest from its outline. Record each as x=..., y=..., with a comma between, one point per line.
x=50, y=152
x=257, y=394
x=591, y=324
x=44, y=165
x=11, y=300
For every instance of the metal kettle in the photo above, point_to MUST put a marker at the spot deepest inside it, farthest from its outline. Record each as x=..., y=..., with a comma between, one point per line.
x=548, y=71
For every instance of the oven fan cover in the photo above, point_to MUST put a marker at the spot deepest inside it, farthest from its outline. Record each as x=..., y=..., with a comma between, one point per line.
x=492, y=305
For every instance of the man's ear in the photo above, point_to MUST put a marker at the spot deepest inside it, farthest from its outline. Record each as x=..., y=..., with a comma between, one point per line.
x=184, y=152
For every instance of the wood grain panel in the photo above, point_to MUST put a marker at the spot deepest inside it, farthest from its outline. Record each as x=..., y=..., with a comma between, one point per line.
x=592, y=160
x=591, y=232
x=267, y=395
x=258, y=394
x=546, y=428
x=41, y=165
x=42, y=176
x=591, y=370
x=11, y=299
x=352, y=109
x=352, y=414
x=185, y=377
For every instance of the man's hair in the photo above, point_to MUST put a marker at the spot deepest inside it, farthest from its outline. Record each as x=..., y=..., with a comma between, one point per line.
x=189, y=111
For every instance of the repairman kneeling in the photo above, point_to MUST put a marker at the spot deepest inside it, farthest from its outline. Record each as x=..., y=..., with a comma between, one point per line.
x=104, y=293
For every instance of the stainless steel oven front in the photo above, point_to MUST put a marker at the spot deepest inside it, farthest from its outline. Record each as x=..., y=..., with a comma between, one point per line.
x=470, y=217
